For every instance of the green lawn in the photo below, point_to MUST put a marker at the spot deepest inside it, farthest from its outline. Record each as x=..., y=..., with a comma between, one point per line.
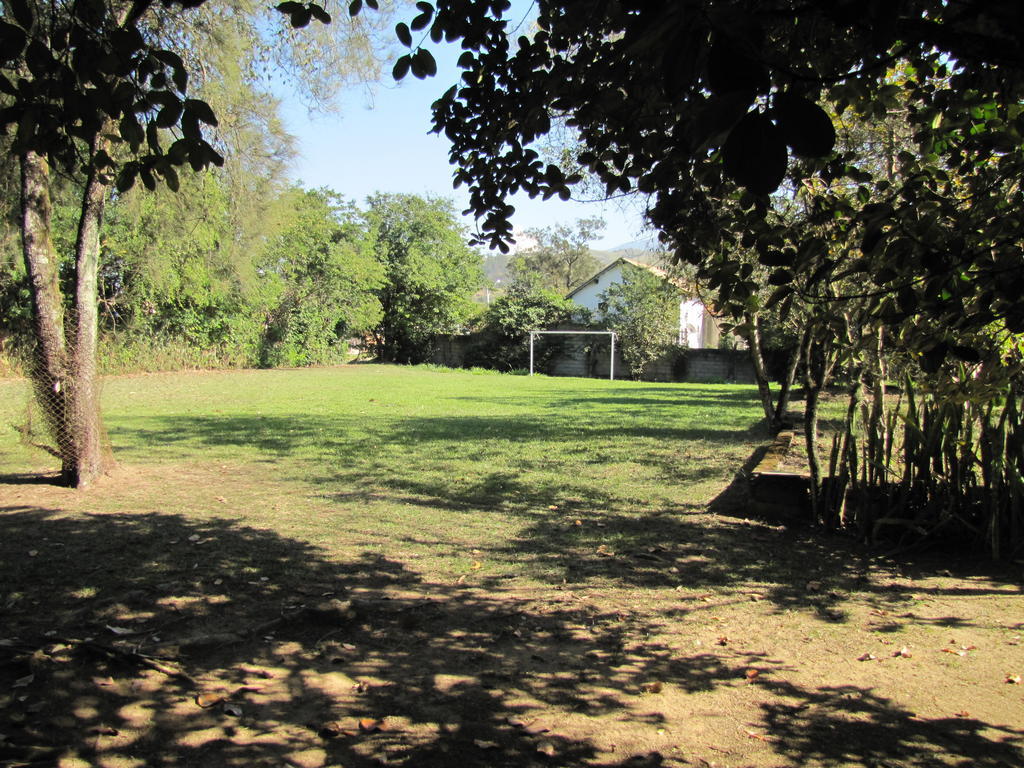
x=436, y=463
x=371, y=565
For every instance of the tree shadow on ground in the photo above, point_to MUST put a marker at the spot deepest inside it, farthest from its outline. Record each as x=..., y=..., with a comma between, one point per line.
x=155, y=638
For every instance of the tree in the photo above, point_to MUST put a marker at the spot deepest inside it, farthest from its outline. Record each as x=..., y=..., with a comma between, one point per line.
x=560, y=254
x=94, y=91
x=323, y=282
x=430, y=273
x=644, y=311
x=711, y=107
x=526, y=306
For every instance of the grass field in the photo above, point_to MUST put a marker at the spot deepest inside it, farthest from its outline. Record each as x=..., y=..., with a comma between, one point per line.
x=374, y=565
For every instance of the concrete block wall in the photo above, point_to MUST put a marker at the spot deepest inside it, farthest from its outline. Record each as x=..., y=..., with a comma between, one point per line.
x=718, y=365
x=573, y=359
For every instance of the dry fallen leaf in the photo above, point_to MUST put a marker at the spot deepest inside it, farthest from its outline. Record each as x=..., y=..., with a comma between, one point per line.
x=962, y=713
x=369, y=725
x=33, y=552
x=332, y=730
x=207, y=700
x=954, y=651
x=120, y=630
x=22, y=682
x=866, y=657
x=903, y=653
x=1013, y=679
x=652, y=687
x=604, y=551
x=751, y=675
x=483, y=744
x=552, y=507
x=476, y=565
x=547, y=748
x=233, y=709
x=723, y=640
x=756, y=735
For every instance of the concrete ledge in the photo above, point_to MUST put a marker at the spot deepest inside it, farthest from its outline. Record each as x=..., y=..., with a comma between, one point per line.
x=783, y=496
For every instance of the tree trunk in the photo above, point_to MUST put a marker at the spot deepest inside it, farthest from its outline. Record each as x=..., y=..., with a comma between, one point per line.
x=84, y=394
x=49, y=366
x=817, y=367
x=764, y=387
x=64, y=376
x=786, y=387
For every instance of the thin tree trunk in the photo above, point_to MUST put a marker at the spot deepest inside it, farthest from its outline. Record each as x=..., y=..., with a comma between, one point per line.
x=764, y=387
x=817, y=368
x=49, y=371
x=786, y=387
x=84, y=394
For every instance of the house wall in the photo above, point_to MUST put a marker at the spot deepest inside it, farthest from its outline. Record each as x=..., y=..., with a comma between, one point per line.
x=697, y=327
x=589, y=295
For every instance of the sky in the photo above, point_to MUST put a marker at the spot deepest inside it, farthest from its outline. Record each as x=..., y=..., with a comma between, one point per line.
x=382, y=143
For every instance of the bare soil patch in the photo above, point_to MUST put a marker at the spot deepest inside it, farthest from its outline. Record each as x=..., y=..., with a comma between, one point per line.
x=133, y=636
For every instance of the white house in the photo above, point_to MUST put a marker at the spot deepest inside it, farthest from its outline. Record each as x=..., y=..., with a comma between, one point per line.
x=697, y=326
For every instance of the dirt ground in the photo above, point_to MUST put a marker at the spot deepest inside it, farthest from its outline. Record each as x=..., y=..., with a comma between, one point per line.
x=733, y=642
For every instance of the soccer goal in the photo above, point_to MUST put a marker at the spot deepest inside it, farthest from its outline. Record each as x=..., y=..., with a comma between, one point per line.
x=611, y=334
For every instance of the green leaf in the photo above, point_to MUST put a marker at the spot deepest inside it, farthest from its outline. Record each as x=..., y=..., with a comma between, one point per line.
x=931, y=359
x=168, y=116
x=906, y=300
x=966, y=353
x=404, y=35
x=22, y=12
x=755, y=154
x=423, y=64
x=805, y=126
x=171, y=177
x=201, y=110
x=731, y=69
x=319, y=13
x=779, y=294
x=355, y=7
x=776, y=258
x=12, y=41
x=422, y=21
x=126, y=178
x=401, y=68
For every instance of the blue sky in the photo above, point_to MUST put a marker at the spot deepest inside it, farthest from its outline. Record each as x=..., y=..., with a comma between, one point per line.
x=381, y=142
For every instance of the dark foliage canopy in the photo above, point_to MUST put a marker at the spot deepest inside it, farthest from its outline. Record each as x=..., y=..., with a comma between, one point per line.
x=710, y=107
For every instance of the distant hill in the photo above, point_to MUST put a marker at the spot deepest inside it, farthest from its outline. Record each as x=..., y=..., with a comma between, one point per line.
x=649, y=243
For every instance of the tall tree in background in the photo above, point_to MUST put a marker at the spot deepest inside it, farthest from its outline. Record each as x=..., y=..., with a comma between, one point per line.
x=430, y=273
x=644, y=311
x=100, y=91
x=560, y=254
x=323, y=282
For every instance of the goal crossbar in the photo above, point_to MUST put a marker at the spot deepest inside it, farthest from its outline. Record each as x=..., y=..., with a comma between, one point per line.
x=611, y=334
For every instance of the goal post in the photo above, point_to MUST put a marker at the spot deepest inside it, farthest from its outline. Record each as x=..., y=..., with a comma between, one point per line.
x=610, y=334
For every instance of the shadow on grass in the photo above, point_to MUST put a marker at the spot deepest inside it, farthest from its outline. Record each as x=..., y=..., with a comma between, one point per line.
x=114, y=624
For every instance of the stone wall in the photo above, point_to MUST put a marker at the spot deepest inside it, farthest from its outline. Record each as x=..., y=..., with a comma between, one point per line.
x=580, y=356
